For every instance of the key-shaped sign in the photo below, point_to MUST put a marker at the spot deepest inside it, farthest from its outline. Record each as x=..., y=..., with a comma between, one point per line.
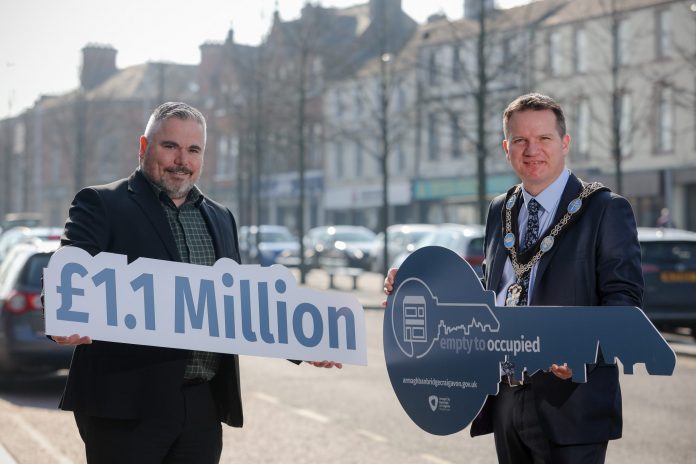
x=445, y=340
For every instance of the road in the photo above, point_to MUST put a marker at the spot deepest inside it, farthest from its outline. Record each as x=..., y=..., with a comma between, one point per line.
x=301, y=414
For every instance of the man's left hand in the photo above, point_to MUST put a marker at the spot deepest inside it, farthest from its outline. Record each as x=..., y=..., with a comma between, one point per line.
x=562, y=372
x=327, y=364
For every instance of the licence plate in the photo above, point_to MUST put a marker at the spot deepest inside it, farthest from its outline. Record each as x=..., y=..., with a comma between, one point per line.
x=677, y=277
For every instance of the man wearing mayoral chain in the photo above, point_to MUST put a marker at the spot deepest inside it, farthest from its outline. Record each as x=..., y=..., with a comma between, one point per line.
x=554, y=240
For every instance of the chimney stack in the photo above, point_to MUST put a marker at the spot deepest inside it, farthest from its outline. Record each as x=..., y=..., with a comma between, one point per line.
x=98, y=64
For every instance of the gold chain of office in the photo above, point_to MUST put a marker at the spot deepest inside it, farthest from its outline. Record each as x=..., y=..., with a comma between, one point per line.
x=573, y=207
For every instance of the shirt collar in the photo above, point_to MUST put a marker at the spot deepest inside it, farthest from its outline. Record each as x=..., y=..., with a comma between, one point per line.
x=551, y=194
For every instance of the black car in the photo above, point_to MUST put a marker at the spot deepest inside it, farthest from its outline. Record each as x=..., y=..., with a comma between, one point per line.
x=23, y=344
x=669, y=271
x=343, y=247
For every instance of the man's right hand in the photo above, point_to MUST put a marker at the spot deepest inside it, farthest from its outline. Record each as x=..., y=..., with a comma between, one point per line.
x=389, y=283
x=73, y=339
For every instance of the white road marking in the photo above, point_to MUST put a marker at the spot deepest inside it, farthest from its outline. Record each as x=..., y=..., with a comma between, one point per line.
x=5, y=457
x=434, y=459
x=266, y=398
x=41, y=440
x=311, y=415
x=372, y=436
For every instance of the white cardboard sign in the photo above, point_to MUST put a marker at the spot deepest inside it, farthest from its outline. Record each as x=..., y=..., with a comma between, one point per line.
x=224, y=308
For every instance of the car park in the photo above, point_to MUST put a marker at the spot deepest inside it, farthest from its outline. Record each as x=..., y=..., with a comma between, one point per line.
x=669, y=271
x=400, y=238
x=465, y=240
x=23, y=344
x=263, y=244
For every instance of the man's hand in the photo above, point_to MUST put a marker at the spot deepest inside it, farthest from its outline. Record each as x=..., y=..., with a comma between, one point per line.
x=327, y=364
x=389, y=283
x=562, y=372
x=73, y=339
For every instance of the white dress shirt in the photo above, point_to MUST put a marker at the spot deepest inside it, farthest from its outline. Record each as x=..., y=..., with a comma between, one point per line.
x=548, y=201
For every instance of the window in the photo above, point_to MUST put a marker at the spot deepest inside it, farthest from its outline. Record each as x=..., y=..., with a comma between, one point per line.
x=456, y=63
x=338, y=153
x=228, y=149
x=432, y=68
x=433, y=142
x=554, y=53
x=456, y=136
x=664, y=118
x=506, y=50
x=623, y=51
x=358, y=101
x=400, y=98
x=580, y=50
x=358, y=159
x=625, y=123
x=338, y=103
x=400, y=157
x=582, y=128
x=663, y=34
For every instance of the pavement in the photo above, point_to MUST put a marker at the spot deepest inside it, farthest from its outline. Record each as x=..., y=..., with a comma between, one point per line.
x=368, y=287
x=368, y=290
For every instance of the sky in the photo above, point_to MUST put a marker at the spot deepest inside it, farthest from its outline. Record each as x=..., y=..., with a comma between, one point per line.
x=41, y=40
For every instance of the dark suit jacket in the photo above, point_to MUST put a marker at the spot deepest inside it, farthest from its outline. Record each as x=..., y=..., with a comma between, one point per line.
x=119, y=380
x=595, y=263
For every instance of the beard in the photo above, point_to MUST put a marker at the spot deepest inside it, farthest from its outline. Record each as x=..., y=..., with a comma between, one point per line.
x=165, y=179
x=175, y=189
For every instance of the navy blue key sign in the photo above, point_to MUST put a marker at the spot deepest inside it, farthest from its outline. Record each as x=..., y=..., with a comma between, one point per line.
x=445, y=340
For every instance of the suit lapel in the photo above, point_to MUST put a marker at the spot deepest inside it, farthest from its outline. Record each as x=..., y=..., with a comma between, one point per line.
x=572, y=190
x=141, y=192
x=499, y=256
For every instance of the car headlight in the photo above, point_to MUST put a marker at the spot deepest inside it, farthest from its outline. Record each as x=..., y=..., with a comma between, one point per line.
x=357, y=254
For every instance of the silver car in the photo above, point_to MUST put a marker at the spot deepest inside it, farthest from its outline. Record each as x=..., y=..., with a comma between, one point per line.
x=465, y=240
x=23, y=344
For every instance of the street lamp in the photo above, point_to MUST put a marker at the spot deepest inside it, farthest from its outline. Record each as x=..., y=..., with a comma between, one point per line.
x=385, y=59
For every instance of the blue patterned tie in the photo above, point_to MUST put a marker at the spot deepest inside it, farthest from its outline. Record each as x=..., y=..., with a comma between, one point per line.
x=532, y=234
x=530, y=239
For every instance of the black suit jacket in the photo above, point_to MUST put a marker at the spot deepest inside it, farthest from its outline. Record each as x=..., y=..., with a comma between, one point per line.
x=595, y=263
x=119, y=380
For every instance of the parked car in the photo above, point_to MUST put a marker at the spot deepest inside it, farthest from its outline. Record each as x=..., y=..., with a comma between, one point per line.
x=273, y=241
x=23, y=344
x=291, y=257
x=465, y=240
x=669, y=271
x=400, y=238
x=343, y=246
x=20, y=234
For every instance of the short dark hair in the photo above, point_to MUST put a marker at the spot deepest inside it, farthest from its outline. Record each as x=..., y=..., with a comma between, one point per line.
x=177, y=110
x=534, y=102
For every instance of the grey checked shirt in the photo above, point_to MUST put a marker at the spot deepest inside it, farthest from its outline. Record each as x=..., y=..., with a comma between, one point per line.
x=195, y=246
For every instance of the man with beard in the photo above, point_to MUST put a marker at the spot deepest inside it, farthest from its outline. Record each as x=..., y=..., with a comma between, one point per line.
x=143, y=404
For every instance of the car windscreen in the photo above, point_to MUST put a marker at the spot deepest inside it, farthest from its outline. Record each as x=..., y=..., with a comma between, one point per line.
x=275, y=237
x=352, y=236
x=669, y=252
x=31, y=274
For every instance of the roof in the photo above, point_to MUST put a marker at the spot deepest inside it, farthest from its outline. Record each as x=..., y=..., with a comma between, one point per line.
x=139, y=82
x=142, y=81
x=654, y=234
x=582, y=9
x=509, y=19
